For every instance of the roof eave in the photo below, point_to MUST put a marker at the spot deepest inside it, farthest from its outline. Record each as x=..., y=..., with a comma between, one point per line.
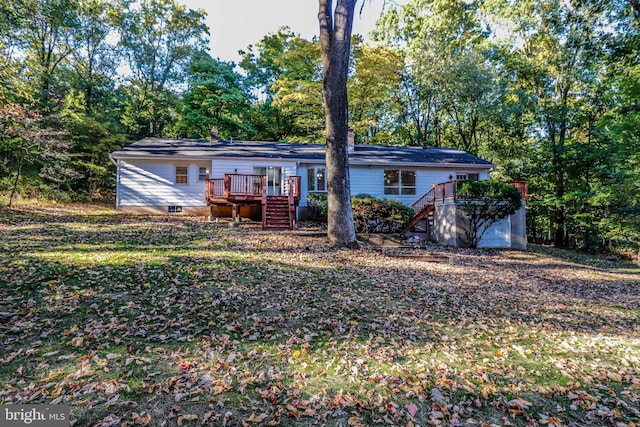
x=448, y=165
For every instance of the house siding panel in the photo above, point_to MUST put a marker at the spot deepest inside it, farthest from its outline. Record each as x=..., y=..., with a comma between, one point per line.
x=152, y=183
x=370, y=180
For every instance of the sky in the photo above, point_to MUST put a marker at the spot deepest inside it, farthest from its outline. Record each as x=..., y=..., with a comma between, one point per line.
x=236, y=24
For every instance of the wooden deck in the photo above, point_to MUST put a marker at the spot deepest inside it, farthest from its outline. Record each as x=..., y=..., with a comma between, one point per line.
x=250, y=189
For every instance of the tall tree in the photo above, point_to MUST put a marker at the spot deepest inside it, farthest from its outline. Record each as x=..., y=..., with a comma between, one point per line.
x=446, y=86
x=159, y=38
x=216, y=97
x=11, y=66
x=285, y=72
x=335, y=39
x=556, y=44
x=48, y=29
x=372, y=85
x=95, y=60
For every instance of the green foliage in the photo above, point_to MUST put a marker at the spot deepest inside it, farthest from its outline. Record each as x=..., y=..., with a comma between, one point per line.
x=372, y=89
x=216, y=97
x=447, y=89
x=370, y=214
x=286, y=69
x=317, y=206
x=159, y=38
x=32, y=145
x=484, y=203
x=373, y=215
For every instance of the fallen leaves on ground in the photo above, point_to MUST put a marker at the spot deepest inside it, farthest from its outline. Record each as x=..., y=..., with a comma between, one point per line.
x=136, y=320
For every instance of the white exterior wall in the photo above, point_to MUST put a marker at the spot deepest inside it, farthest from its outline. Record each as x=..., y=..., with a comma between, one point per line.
x=370, y=180
x=152, y=183
x=498, y=235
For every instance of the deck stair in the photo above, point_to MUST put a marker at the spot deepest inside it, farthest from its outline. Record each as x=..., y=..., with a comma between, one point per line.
x=422, y=214
x=426, y=205
x=278, y=213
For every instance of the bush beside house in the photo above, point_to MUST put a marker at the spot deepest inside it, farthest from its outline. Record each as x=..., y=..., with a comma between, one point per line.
x=370, y=214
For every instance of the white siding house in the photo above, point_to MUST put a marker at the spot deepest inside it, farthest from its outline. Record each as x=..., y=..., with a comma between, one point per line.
x=153, y=183
x=162, y=175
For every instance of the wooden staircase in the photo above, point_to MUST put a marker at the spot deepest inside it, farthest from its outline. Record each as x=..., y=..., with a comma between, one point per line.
x=427, y=203
x=422, y=214
x=278, y=213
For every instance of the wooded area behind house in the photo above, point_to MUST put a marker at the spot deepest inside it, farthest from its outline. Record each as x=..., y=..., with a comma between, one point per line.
x=547, y=90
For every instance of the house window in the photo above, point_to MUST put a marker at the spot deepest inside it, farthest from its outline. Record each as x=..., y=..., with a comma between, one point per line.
x=203, y=174
x=467, y=177
x=317, y=179
x=400, y=182
x=175, y=209
x=182, y=173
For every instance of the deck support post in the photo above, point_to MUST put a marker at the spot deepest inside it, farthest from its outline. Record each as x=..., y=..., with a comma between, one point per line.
x=234, y=213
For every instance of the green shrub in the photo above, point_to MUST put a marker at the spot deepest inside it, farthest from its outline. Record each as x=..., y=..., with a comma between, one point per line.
x=317, y=207
x=370, y=214
x=373, y=215
x=484, y=203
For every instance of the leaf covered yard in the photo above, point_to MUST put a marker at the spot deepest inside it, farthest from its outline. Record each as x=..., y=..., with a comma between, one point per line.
x=137, y=320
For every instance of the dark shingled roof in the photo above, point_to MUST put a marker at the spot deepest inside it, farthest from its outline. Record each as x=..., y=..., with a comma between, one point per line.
x=310, y=153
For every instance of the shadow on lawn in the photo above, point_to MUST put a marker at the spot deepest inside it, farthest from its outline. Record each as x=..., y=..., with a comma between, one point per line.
x=303, y=315
x=320, y=282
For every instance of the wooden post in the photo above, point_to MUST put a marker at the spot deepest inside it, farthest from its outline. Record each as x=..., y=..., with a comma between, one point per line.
x=227, y=185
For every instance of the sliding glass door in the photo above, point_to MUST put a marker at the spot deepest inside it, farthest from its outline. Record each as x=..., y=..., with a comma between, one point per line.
x=274, y=179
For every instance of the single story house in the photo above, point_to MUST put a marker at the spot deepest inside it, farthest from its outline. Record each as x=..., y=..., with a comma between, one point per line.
x=272, y=180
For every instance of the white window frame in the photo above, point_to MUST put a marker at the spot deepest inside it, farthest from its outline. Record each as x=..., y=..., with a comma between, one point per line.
x=400, y=189
x=203, y=176
x=464, y=176
x=312, y=185
x=180, y=177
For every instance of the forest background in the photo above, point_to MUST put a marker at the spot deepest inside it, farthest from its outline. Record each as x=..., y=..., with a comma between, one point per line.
x=547, y=90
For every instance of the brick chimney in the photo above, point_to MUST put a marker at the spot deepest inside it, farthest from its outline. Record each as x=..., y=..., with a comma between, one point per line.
x=215, y=137
x=351, y=140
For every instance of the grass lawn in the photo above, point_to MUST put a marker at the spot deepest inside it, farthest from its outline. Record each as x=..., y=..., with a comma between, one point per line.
x=136, y=320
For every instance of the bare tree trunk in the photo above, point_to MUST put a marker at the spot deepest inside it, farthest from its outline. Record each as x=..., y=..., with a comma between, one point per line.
x=335, y=39
x=15, y=181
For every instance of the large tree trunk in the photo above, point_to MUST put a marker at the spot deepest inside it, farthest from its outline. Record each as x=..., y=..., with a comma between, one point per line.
x=557, y=149
x=335, y=39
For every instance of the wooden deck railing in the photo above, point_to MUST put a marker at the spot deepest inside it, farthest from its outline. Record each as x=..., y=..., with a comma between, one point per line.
x=215, y=188
x=439, y=192
x=246, y=188
x=293, y=187
x=447, y=190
